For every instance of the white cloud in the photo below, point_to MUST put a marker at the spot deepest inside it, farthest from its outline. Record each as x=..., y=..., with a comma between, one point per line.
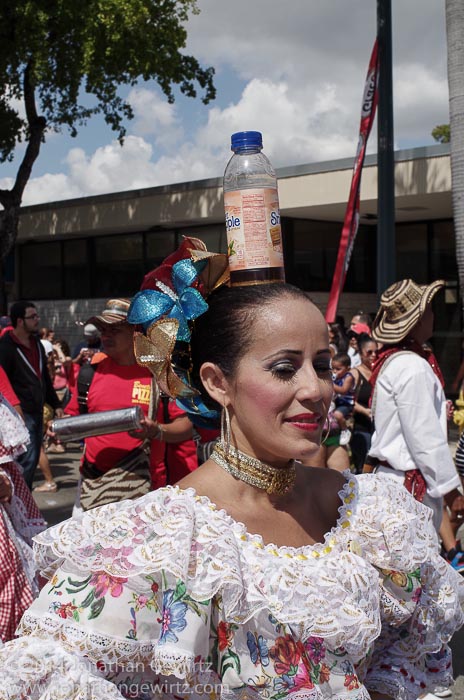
x=155, y=117
x=292, y=133
x=6, y=183
x=294, y=128
x=50, y=187
x=422, y=98
x=111, y=168
x=308, y=45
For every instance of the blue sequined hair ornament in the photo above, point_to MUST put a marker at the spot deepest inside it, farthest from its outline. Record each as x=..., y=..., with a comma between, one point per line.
x=171, y=297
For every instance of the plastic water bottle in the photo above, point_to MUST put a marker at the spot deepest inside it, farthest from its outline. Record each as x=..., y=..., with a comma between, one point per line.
x=254, y=236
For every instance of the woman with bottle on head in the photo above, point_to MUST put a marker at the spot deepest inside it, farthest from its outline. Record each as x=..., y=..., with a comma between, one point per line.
x=254, y=576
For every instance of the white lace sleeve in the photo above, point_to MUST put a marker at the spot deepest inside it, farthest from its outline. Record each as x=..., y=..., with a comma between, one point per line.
x=43, y=670
x=14, y=435
x=421, y=595
x=25, y=526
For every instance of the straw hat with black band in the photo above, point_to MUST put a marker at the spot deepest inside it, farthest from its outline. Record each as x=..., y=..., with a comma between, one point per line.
x=401, y=307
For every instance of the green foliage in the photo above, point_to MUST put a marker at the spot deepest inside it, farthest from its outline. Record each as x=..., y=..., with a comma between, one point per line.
x=441, y=133
x=72, y=55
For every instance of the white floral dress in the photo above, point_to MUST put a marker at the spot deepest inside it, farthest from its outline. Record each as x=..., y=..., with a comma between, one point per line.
x=167, y=596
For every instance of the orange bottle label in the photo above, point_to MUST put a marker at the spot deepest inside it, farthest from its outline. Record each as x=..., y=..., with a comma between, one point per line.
x=254, y=236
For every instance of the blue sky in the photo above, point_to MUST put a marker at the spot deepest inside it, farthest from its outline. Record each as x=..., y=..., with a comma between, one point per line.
x=293, y=70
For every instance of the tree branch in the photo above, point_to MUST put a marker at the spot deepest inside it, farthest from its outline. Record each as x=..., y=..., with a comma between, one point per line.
x=37, y=127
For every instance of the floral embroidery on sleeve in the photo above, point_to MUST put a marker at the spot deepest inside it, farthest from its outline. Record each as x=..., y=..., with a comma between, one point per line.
x=173, y=615
x=99, y=584
x=140, y=602
x=223, y=657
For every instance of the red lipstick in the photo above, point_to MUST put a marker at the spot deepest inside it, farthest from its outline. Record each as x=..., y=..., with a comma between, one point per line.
x=308, y=422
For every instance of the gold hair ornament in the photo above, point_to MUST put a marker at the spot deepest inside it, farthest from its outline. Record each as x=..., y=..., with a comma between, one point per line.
x=154, y=351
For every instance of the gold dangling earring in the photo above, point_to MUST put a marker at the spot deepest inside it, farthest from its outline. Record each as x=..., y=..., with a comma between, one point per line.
x=327, y=433
x=225, y=428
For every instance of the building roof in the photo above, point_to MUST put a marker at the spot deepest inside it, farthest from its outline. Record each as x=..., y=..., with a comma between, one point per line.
x=317, y=191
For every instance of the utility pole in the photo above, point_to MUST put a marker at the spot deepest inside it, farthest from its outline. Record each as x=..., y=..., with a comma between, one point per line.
x=386, y=243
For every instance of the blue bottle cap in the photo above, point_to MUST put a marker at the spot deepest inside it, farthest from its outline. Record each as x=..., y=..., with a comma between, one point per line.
x=246, y=139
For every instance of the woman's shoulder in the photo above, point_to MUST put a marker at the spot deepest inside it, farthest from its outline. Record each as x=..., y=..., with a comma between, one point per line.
x=359, y=375
x=325, y=485
x=357, y=372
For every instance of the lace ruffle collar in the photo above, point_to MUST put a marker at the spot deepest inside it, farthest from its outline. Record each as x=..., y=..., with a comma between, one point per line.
x=172, y=527
x=330, y=589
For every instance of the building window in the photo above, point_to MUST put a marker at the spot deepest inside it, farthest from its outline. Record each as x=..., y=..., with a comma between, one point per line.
x=40, y=271
x=315, y=249
x=443, y=251
x=159, y=244
x=118, y=265
x=412, y=252
x=77, y=275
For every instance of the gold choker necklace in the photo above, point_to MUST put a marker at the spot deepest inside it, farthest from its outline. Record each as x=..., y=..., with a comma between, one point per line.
x=249, y=469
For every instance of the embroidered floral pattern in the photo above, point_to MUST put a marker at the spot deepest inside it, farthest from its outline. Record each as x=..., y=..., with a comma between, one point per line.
x=225, y=634
x=104, y=583
x=173, y=617
x=296, y=666
x=99, y=586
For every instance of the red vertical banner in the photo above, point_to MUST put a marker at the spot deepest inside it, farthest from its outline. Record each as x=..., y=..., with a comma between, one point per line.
x=351, y=221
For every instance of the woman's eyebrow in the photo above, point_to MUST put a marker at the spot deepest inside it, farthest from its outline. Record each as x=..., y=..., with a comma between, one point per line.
x=287, y=351
x=297, y=353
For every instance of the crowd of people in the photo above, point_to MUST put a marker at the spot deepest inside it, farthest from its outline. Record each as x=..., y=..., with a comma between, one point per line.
x=270, y=529
x=353, y=352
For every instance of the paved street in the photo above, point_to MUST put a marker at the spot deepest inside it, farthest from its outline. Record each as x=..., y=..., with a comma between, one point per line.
x=58, y=506
x=65, y=468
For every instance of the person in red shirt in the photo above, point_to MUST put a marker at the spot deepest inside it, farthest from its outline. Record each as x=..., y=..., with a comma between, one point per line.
x=119, y=382
x=23, y=358
x=172, y=461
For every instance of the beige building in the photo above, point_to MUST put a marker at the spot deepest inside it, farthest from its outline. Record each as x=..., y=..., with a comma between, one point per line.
x=71, y=255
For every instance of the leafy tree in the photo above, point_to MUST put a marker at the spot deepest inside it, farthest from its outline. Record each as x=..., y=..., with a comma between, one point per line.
x=455, y=50
x=441, y=133
x=62, y=61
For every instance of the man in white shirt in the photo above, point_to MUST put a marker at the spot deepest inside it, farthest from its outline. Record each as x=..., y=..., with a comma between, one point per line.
x=409, y=406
